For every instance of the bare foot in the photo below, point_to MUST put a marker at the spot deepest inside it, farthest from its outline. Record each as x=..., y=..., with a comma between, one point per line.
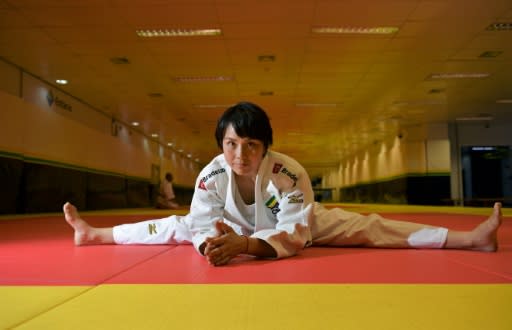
x=485, y=235
x=83, y=231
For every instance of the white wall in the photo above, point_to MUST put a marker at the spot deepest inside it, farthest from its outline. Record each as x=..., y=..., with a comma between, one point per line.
x=395, y=157
x=74, y=134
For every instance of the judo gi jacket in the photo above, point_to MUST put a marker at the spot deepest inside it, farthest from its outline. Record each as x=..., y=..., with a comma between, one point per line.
x=283, y=204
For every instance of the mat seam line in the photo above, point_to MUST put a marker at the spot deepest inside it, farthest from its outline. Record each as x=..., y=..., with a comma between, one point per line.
x=482, y=269
x=171, y=247
x=93, y=286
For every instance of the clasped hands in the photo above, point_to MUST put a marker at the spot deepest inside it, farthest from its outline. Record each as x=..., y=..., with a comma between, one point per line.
x=225, y=246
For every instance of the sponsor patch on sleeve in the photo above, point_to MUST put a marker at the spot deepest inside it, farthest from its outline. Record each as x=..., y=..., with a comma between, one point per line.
x=204, y=179
x=291, y=175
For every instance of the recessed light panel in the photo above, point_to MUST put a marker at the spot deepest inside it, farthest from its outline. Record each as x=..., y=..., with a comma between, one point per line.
x=266, y=58
x=185, y=79
x=490, y=54
x=178, y=33
x=500, y=26
x=316, y=105
x=482, y=117
x=212, y=106
x=120, y=60
x=356, y=30
x=458, y=75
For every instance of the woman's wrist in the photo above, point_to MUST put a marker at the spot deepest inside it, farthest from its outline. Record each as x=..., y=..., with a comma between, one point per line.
x=246, y=248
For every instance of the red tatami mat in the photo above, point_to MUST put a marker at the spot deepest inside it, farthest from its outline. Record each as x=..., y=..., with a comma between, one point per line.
x=40, y=251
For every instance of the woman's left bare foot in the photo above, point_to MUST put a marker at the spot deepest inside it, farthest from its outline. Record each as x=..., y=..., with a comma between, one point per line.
x=485, y=235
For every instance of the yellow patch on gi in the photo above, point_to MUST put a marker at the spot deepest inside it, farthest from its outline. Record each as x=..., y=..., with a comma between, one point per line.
x=152, y=228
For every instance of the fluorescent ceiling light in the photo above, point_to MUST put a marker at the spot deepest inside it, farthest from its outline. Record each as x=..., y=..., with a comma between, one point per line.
x=475, y=118
x=491, y=54
x=178, y=33
x=483, y=148
x=503, y=26
x=212, y=106
x=266, y=58
x=419, y=102
x=120, y=60
x=61, y=81
x=356, y=30
x=504, y=101
x=154, y=135
x=312, y=105
x=135, y=123
x=202, y=79
x=461, y=75
x=266, y=93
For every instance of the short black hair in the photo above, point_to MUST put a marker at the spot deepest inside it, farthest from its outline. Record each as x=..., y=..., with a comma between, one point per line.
x=248, y=120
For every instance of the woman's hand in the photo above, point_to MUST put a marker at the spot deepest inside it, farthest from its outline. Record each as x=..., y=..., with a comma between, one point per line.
x=221, y=249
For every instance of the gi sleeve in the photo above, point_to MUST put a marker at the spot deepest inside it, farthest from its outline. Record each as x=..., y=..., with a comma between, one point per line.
x=206, y=208
x=292, y=231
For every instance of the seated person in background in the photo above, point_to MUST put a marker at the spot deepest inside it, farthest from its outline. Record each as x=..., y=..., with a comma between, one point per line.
x=166, y=196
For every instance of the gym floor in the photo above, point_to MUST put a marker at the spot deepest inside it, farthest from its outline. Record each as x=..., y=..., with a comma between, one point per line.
x=48, y=283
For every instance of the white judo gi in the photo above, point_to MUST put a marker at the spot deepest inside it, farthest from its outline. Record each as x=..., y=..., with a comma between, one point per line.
x=284, y=215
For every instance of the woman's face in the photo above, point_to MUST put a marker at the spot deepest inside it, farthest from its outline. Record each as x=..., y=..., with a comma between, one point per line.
x=244, y=155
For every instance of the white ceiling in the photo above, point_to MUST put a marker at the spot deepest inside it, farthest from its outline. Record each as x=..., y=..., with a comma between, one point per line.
x=373, y=86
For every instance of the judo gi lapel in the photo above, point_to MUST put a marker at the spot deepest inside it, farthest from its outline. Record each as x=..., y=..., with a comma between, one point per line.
x=231, y=208
x=261, y=220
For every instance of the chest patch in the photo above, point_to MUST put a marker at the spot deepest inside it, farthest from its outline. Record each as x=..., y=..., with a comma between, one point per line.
x=296, y=199
x=273, y=205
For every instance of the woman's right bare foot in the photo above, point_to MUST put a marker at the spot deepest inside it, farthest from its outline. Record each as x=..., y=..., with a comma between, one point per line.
x=84, y=233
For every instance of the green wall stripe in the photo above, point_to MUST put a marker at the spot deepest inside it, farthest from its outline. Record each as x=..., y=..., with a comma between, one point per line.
x=397, y=177
x=12, y=155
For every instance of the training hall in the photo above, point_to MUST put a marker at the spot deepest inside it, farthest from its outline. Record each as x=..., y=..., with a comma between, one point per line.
x=400, y=108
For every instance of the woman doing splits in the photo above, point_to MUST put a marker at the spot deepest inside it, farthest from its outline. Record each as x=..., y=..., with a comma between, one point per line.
x=251, y=200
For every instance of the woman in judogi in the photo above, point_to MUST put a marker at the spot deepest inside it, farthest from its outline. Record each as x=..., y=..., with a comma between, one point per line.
x=255, y=201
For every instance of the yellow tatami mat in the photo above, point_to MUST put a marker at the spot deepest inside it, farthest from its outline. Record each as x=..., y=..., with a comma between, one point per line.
x=20, y=304
x=268, y=307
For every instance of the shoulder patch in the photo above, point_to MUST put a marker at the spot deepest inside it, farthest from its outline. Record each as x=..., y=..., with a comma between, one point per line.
x=204, y=179
x=277, y=168
x=201, y=185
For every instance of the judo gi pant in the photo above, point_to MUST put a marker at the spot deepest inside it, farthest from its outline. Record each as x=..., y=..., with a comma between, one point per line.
x=170, y=230
x=331, y=227
x=337, y=227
